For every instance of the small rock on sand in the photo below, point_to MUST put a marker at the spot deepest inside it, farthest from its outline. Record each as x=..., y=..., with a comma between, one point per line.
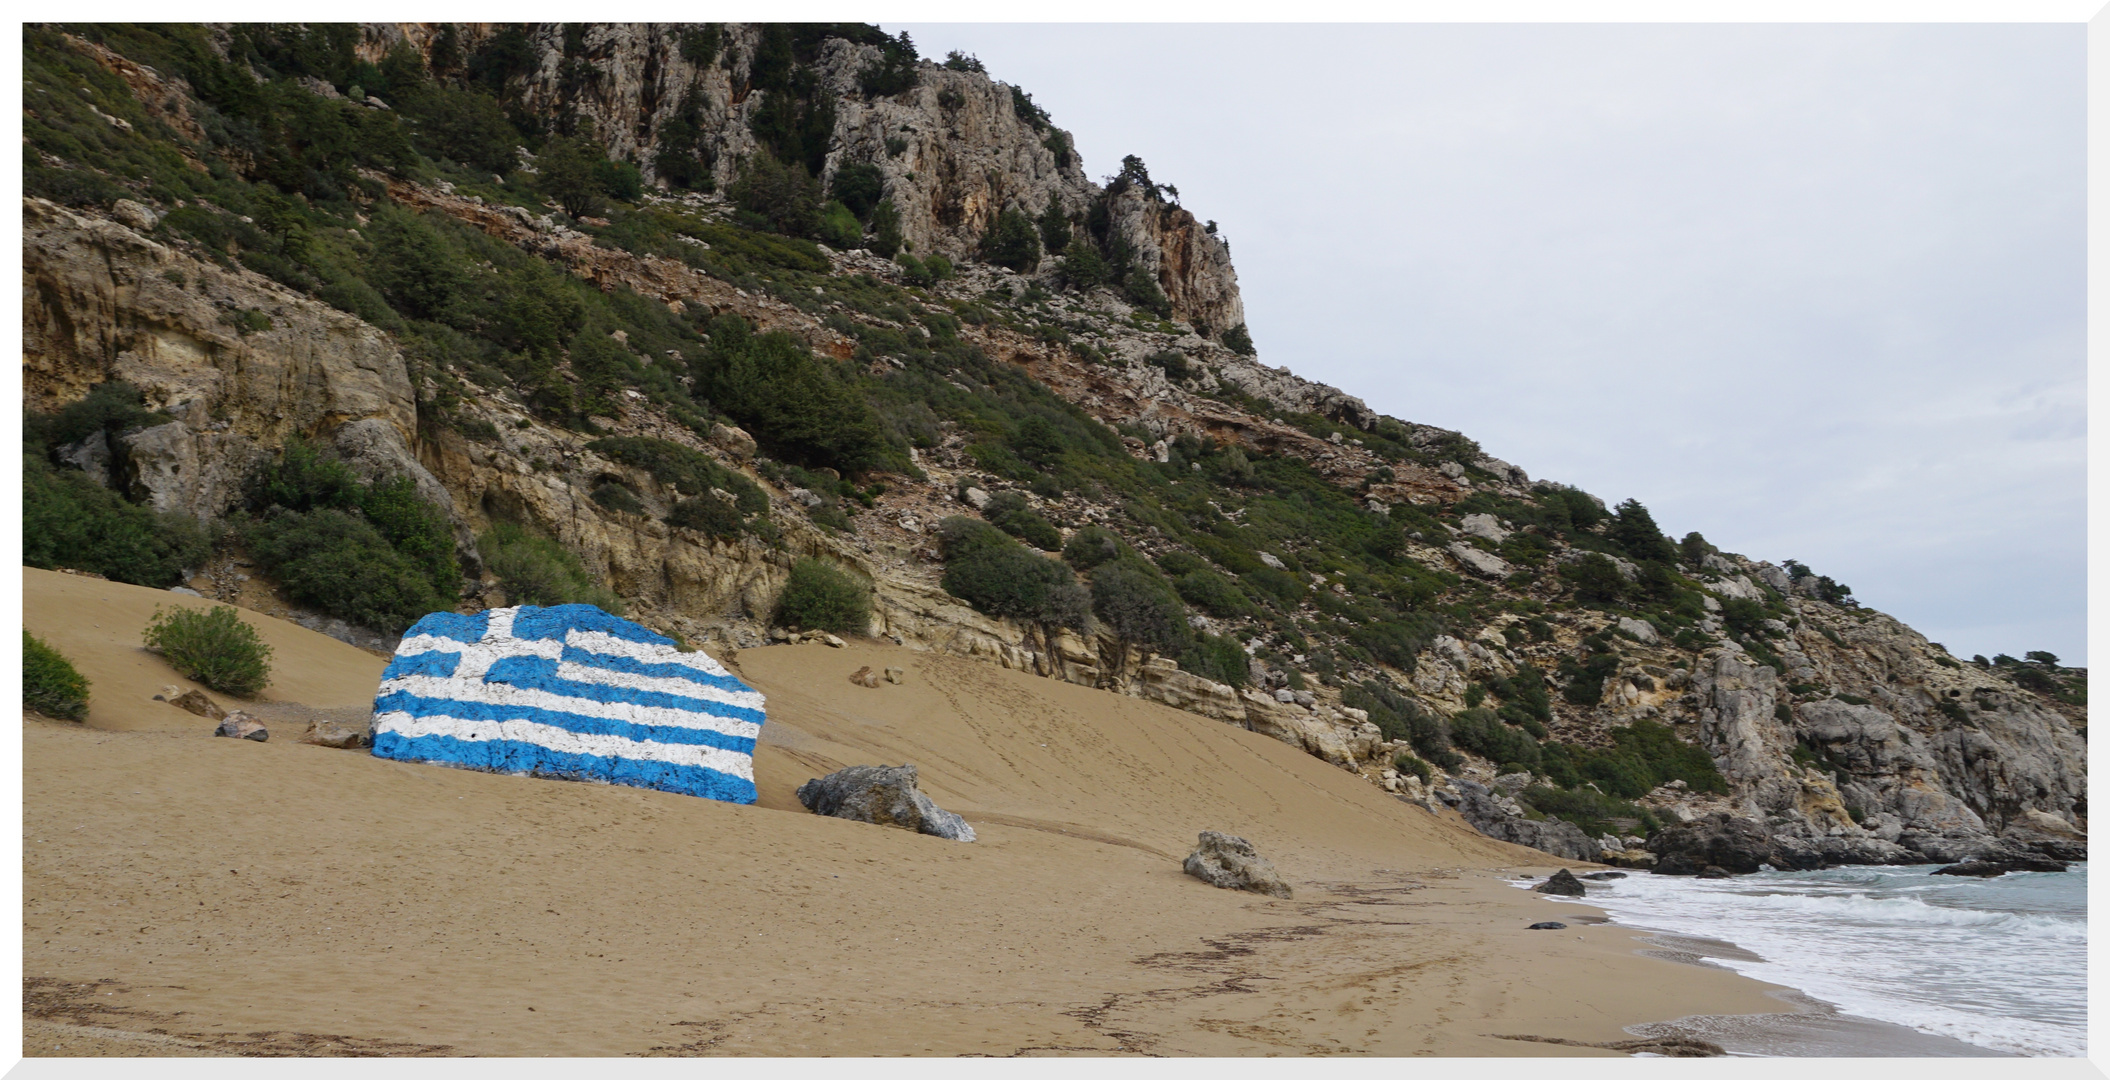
x=1230, y=862
x=241, y=725
x=338, y=735
x=195, y=701
x=895, y=675
x=1547, y=926
x=865, y=677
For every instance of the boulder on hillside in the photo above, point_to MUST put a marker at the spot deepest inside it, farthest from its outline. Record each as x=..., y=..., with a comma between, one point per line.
x=1230, y=862
x=1737, y=845
x=1562, y=883
x=882, y=795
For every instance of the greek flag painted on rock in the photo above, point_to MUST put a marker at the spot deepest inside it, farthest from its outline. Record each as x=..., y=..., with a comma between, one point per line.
x=569, y=692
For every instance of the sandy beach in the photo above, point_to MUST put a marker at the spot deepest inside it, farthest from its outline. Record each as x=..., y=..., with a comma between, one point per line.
x=185, y=894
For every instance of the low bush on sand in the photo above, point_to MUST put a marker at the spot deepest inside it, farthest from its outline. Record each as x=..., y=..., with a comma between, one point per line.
x=822, y=597
x=50, y=685
x=213, y=647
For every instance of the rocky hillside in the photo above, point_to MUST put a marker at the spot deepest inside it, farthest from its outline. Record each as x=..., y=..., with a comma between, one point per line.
x=756, y=330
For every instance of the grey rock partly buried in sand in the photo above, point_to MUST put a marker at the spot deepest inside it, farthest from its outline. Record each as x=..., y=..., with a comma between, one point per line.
x=882, y=795
x=241, y=725
x=338, y=735
x=1229, y=862
x=195, y=701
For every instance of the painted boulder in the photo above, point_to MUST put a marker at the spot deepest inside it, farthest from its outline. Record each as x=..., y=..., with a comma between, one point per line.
x=569, y=692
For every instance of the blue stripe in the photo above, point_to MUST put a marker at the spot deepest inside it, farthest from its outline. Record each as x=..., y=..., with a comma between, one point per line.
x=447, y=624
x=543, y=623
x=418, y=705
x=539, y=673
x=435, y=663
x=505, y=755
x=572, y=654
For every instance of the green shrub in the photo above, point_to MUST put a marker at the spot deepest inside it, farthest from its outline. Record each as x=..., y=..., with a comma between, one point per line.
x=708, y=514
x=113, y=408
x=341, y=564
x=1141, y=286
x=1136, y=602
x=1409, y=765
x=839, y=228
x=1642, y=756
x=214, y=647
x=1239, y=340
x=538, y=570
x=1400, y=717
x=886, y=230
x=50, y=685
x=1092, y=546
x=1597, y=579
x=620, y=499
x=1634, y=529
x=998, y=577
x=1213, y=593
x=1218, y=658
x=1013, y=241
x=1483, y=733
x=802, y=408
x=1172, y=362
x=786, y=197
x=859, y=187
x=1590, y=811
x=69, y=520
x=690, y=472
x=818, y=596
x=1054, y=227
x=1007, y=510
x=1276, y=583
x=1082, y=267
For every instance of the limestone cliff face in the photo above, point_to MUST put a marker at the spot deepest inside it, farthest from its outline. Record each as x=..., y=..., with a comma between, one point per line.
x=102, y=302
x=953, y=150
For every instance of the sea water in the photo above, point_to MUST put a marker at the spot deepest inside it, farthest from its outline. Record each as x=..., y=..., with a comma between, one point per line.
x=1998, y=962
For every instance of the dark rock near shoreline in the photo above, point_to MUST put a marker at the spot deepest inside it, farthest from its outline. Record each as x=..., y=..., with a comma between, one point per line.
x=1605, y=875
x=1547, y=926
x=1736, y=845
x=882, y=795
x=2013, y=862
x=1562, y=883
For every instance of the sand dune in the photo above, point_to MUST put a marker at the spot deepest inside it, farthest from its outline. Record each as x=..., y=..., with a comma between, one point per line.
x=184, y=893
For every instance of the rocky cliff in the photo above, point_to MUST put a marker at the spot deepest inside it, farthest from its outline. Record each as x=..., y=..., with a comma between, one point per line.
x=1392, y=596
x=954, y=150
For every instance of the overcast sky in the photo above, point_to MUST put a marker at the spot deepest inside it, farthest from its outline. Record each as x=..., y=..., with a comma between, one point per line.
x=1814, y=291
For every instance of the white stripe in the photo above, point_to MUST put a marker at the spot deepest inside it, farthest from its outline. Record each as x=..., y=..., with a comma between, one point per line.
x=609, y=644
x=730, y=762
x=498, y=626
x=487, y=693
x=629, y=681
